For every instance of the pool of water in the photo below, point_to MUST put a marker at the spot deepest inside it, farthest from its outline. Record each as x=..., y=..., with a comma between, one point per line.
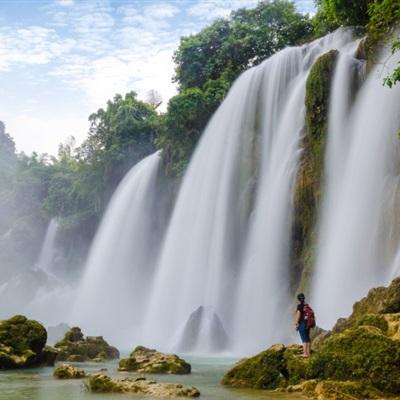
x=32, y=384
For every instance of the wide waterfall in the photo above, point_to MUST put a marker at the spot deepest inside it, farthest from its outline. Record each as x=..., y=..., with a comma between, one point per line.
x=110, y=299
x=227, y=244
x=220, y=272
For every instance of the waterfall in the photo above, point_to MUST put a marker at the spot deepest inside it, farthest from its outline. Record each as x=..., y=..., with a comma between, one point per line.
x=214, y=254
x=48, y=251
x=361, y=177
x=111, y=297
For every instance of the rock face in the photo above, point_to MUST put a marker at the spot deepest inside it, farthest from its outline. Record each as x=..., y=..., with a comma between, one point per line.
x=308, y=183
x=22, y=344
x=381, y=300
x=153, y=362
x=65, y=371
x=76, y=348
x=360, y=359
x=104, y=384
x=203, y=330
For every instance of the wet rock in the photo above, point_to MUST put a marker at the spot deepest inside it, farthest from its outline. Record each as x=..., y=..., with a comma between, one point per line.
x=76, y=348
x=150, y=361
x=204, y=328
x=266, y=370
x=65, y=371
x=143, y=386
x=22, y=344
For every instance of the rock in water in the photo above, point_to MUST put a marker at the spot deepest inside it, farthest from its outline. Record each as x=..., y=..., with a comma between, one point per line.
x=22, y=344
x=203, y=330
x=151, y=361
x=104, y=384
x=76, y=348
x=65, y=371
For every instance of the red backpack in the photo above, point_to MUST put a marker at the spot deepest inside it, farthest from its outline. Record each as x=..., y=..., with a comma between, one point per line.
x=309, y=316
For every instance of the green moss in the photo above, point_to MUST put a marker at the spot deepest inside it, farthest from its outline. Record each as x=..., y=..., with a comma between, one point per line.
x=266, y=370
x=151, y=361
x=381, y=300
x=75, y=347
x=65, y=371
x=376, y=320
x=363, y=353
x=308, y=183
x=103, y=384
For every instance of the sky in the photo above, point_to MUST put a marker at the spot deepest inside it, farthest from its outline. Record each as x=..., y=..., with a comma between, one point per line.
x=61, y=60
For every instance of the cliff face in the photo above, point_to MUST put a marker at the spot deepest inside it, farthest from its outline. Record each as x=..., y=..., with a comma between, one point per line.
x=310, y=175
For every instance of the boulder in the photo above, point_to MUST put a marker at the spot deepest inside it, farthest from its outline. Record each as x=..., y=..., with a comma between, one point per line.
x=266, y=370
x=22, y=344
x=56, y=333
x=203, y=330
x=150, y=361
x=65, y=371
x=142, y=386
x=76, y=348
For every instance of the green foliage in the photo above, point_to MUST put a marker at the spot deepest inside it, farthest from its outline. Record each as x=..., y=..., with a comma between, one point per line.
x=344, y=12
x=180, y=128
x=207, y=63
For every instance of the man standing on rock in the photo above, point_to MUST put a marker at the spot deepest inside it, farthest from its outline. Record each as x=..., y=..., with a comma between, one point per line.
x=305, y=320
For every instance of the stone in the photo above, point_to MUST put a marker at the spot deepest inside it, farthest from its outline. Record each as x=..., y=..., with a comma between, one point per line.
x=104, y=384
x=151, y=361
x=76, y=348
x=65, y=371
x=22, y=344
x=203, y=326
x=266, y=370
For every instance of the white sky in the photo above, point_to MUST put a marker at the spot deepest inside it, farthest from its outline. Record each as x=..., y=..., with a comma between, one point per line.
x=61, y=60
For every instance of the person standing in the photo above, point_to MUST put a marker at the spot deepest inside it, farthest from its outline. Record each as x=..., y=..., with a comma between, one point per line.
x=305, y=320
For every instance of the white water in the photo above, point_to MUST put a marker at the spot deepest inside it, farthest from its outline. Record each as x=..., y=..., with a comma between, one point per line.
x=210, y=256
x=48, y=251
x=362, y=176
x=227, y=245
x=111, y=297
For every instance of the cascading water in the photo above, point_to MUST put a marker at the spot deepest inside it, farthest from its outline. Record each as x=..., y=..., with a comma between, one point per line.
x=112, y=295
x=212, y=256
x=221, y=277
x=48, y=251
x=361, y=177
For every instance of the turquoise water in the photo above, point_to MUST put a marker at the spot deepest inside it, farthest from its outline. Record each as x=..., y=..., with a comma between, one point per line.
x=39, y=383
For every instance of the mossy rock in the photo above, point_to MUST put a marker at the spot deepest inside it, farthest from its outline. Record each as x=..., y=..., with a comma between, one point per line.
x=21, y=334
x=74, y=347
x=22, y=344
x=103, y=384
x=381, y=300
x=308, y=182
x=65, y=371
x=362, y=353
x=376, y=320
x=151, y=361
x=266, y=370
x=344, y=390
x=140, y=386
